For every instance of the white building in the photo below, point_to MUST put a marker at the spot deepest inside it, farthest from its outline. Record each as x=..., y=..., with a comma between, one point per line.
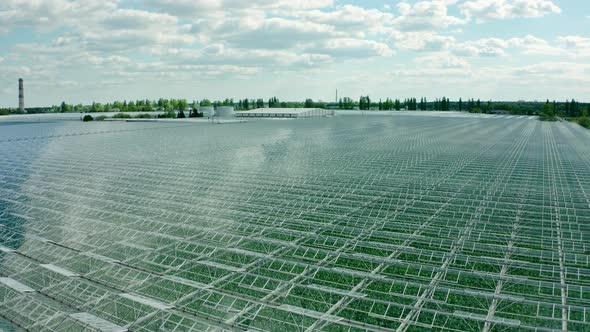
x=208, y=111
x=285, y=113
x=225, y=112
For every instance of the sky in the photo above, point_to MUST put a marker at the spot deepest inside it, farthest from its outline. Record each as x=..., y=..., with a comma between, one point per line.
x=82, y=51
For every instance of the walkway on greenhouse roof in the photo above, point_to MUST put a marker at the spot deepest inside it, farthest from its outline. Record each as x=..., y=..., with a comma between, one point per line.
x=285, y=113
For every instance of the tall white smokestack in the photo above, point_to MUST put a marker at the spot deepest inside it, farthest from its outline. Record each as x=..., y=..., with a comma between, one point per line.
x=21, y=95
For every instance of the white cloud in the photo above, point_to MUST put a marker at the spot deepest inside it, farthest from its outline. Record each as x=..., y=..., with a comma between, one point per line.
x=487, y=47
x=432, y=73
x=166, y=42
x=482, y=10
x=576, y=46
x=137, y=19
x=528, y=45
x=190, y=8
x=425, y=15
x=95, y=24
x=261, y=32
x=442, y=60
x=533, y=45
x=352, y=48
x=50, y=14
x=550, y=71
x=122, y=41
x=219, y=54
x=422, y=41
x=351, y=19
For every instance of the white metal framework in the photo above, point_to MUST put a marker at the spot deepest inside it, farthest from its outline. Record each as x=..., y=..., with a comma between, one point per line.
x=381, y=223
x=285, y=113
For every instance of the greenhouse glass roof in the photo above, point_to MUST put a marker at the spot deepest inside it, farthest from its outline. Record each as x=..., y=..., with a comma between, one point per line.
x=351, y=223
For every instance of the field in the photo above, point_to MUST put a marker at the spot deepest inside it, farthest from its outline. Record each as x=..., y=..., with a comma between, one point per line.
x=404, y=222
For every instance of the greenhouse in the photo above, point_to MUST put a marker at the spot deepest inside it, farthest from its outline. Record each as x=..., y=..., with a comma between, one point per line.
x=285, y=113
x=349, y=223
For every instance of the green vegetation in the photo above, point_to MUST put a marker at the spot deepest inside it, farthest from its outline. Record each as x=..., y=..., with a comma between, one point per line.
x=168, y=115
x=195, y=114
x=143, y=116
x=584, y=122
x=87, y=118
x=549, y=111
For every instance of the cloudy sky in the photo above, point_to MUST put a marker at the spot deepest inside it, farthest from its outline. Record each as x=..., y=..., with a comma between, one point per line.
x=101, y=50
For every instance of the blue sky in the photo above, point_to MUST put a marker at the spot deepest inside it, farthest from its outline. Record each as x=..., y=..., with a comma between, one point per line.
x=103, y=50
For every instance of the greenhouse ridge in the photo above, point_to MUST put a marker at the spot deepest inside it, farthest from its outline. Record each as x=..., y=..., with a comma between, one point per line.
x=404, y=222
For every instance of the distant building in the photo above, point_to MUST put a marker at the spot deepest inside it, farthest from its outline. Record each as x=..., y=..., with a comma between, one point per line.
x=225, y=112
x=285, y=113
x=208, y=111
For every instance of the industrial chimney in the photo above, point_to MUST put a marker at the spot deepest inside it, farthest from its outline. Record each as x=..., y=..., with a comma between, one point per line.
x=21, y=96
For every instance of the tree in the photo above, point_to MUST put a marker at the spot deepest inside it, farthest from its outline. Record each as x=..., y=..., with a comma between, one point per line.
x=170, y=114
x=575, y=108
x=182, y=104
x=308, y=103
x=131, y=107
x=273, y=102
x=205, y=102
x=460, y=105
x=365, y=103
x=388, y=104
x=148, y=106
x=411, y=104
x=118, y=105
x=63, y=107
x=346, y=103
x=548, y=112
x=88, y=118
x=584, y=121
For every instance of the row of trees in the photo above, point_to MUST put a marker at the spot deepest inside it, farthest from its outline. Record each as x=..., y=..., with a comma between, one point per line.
x=568, y=109
x=125, y=106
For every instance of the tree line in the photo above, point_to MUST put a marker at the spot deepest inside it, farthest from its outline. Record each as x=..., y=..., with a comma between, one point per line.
x=567, y=109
